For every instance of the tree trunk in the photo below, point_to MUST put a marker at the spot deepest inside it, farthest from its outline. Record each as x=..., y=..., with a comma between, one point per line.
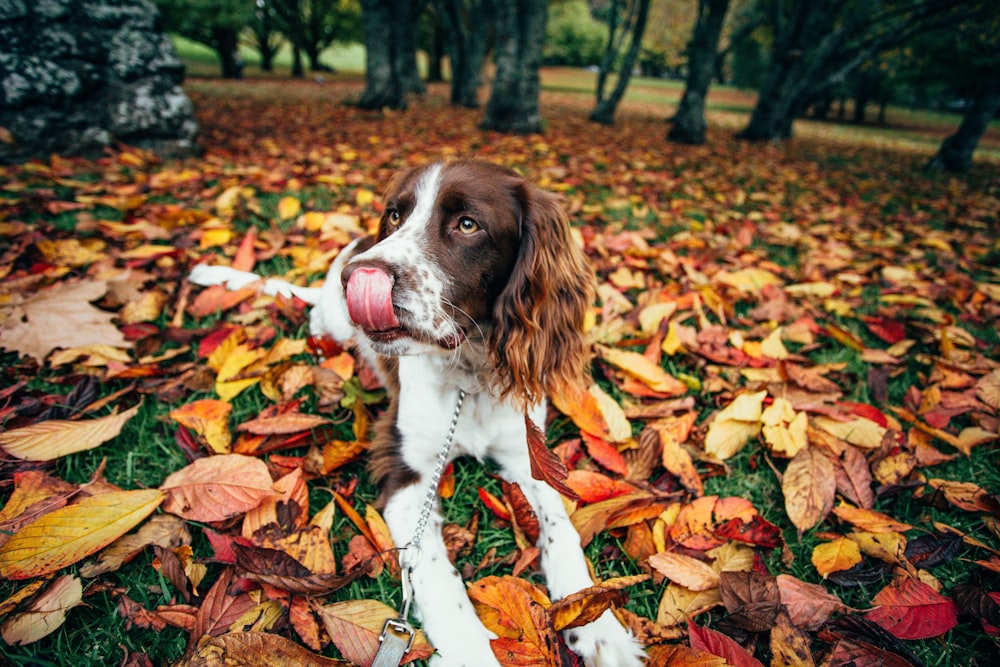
x=404, y=32
x=513, y=104
x=468, y=25
x=382, y=87
x=297, y=70
x=689, y=125
x=635, y=25
x=436, y=53
x=955, y=153
x=225, y=43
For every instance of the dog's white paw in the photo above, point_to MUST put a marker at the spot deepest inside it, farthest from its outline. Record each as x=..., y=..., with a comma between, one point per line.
x=605, y=643
x=462, y=641
x=464, y=651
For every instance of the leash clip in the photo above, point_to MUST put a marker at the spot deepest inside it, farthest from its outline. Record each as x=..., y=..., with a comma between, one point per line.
x=397, y=636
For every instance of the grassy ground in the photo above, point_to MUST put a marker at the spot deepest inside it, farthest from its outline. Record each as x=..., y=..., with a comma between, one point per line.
x=859, y=190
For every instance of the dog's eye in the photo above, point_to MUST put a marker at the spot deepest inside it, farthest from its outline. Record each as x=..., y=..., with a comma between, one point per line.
x=393, y=217
x=467, y=225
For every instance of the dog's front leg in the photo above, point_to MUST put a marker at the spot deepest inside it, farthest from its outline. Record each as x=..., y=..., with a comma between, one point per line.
x=442, y=602
x=603, y=643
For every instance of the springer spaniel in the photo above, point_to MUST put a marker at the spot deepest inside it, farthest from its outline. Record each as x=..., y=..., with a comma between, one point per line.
x=473, y=284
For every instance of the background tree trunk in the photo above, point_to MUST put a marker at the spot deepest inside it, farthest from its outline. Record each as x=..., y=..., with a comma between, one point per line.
x=689, y=123
x=468, y=23
x=955, y=153
x=382, y=87
x=513, y=103
x=225, y=40
x=404, y=33
x=634, y=25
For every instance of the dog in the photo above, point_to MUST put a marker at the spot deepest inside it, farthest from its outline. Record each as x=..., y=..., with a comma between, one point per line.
x=473, y=285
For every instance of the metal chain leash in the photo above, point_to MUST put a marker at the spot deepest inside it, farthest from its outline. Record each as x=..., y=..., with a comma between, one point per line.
x=397, y=634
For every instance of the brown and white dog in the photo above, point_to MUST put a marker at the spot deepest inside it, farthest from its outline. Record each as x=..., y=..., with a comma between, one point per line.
x=472, y=283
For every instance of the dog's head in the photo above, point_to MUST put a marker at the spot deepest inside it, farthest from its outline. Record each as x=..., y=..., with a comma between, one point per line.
x=471, y=253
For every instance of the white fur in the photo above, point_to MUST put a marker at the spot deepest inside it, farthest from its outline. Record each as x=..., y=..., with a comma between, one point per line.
x=430, y=378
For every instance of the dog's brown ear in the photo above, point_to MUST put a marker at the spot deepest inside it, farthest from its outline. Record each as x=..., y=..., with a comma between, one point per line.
x=537, y=343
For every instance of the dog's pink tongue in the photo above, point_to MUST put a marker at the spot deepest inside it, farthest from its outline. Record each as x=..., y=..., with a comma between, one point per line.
x=369, y=299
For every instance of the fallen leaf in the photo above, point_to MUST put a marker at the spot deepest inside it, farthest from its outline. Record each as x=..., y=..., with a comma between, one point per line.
x=355, y=625
x=809, y=486
x=691, y=573
x=254, y=649
x=59, y=316
x=45, y=614
x=70, y=534
x=216, y=488
x=55, y=438
x=910, y=609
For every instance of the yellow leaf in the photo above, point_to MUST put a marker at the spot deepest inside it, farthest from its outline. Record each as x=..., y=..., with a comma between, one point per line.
x=869, y=520
x=72, y=251
x=835, y=556
x=209, y=419
x=818, y=289
x=887, y=547
x=70, y=534
x=734, y=425
x=364, y=197
x=619, y=428
x=672, y=341
x=772, y=346
x=289, y=207
x=213, y=238
x=748, y=280
x=45, y=613
x=51, y=439
x=728, y=436
x=238, y=359
x=678, y=604
x=642, y=369
x=858, y=431
x=651, y=316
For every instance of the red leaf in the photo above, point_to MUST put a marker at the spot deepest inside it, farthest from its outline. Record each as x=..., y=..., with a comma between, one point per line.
x=757, y=530
x=494, y=504
x=867, y=411
x=545, y=465
x=604, y=453
x=910, y=609
x=716, y=643
x=888, y=330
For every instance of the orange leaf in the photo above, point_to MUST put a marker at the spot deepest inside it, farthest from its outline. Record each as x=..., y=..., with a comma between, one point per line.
x=693, y=526
x=869, y=520
x=209, y=418
x=54, y=438
x=592, y=487
x=716, y=643
x=578, y=404
x=808, y=605
x=245, y=258
x=218, y=487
